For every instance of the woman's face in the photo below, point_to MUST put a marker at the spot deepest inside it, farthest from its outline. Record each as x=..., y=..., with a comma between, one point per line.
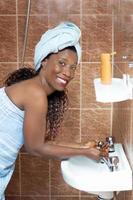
x=59, y=69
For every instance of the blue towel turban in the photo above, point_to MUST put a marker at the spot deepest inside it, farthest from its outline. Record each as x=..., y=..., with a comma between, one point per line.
x=64, y=35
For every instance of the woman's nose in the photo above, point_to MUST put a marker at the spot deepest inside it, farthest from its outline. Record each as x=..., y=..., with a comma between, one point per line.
x=67, y=71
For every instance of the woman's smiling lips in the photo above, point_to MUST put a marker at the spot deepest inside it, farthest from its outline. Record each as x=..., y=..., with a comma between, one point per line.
x=62, y=81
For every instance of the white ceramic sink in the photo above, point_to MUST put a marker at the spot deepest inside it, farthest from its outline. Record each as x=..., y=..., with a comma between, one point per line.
x=90, y=176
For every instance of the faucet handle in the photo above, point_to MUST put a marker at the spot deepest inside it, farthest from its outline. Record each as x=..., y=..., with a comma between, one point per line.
x=114, y=160
x=100, y=144
x=110, y=140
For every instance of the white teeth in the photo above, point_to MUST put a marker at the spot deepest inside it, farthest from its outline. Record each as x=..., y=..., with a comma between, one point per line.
x=62, y=80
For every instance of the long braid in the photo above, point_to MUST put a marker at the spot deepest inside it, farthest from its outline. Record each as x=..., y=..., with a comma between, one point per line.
x=57, y=105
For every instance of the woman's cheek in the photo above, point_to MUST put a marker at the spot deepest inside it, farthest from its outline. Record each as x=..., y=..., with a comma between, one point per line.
x=57, y=69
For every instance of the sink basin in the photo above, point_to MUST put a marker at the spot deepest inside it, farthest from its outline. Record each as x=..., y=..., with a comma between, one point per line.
x=90, y=176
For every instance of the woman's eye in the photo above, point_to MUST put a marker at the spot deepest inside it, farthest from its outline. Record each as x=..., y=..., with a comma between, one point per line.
x=74, y=67
x=62, y=63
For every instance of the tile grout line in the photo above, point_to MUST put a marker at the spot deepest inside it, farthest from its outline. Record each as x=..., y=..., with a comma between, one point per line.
x=49, y=159
x=80, y=69
x=80, y=125
x=17, y=34
x=20, y=185
x=49, y=179
x=88, y=62
x=44, y=15
x=111, y=112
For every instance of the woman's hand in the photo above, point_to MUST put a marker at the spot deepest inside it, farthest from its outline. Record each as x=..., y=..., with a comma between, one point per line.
x=104, y=150
x=95, y=152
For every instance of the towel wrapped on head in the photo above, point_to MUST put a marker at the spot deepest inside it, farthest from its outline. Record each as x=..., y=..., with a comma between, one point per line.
x=64, y=35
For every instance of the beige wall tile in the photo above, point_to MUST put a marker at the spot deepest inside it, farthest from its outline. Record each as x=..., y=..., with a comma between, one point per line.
x=8, y=7
x=96, y=36
x=95, y=124
x=8, y=48
x=34, y=175
x=5, y=69
x=14, y=185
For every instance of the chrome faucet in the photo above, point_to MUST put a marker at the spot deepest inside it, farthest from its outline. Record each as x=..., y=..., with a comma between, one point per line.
x=110, y=141
x=111, y=162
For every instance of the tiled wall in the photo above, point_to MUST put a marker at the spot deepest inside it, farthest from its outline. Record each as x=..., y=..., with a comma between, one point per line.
x=36, y=178
x=123, y=111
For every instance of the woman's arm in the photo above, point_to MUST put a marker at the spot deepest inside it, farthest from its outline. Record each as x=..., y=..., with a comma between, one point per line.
x=54, y=151
x=34, y=133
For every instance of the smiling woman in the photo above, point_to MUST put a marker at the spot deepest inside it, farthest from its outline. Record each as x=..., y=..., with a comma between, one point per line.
x=33, y=102
x=60, y=68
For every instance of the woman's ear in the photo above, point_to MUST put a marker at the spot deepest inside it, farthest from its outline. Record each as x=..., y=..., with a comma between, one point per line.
x=44, y=63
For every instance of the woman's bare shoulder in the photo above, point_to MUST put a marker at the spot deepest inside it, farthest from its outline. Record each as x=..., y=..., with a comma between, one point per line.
x=27, y=93
x=34, y=93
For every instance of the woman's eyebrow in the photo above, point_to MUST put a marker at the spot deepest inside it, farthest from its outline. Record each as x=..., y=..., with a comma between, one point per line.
x=66, y=60
x=62, y=58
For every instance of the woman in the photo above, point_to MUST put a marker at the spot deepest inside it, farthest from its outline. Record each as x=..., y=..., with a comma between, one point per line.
x=32, y=102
